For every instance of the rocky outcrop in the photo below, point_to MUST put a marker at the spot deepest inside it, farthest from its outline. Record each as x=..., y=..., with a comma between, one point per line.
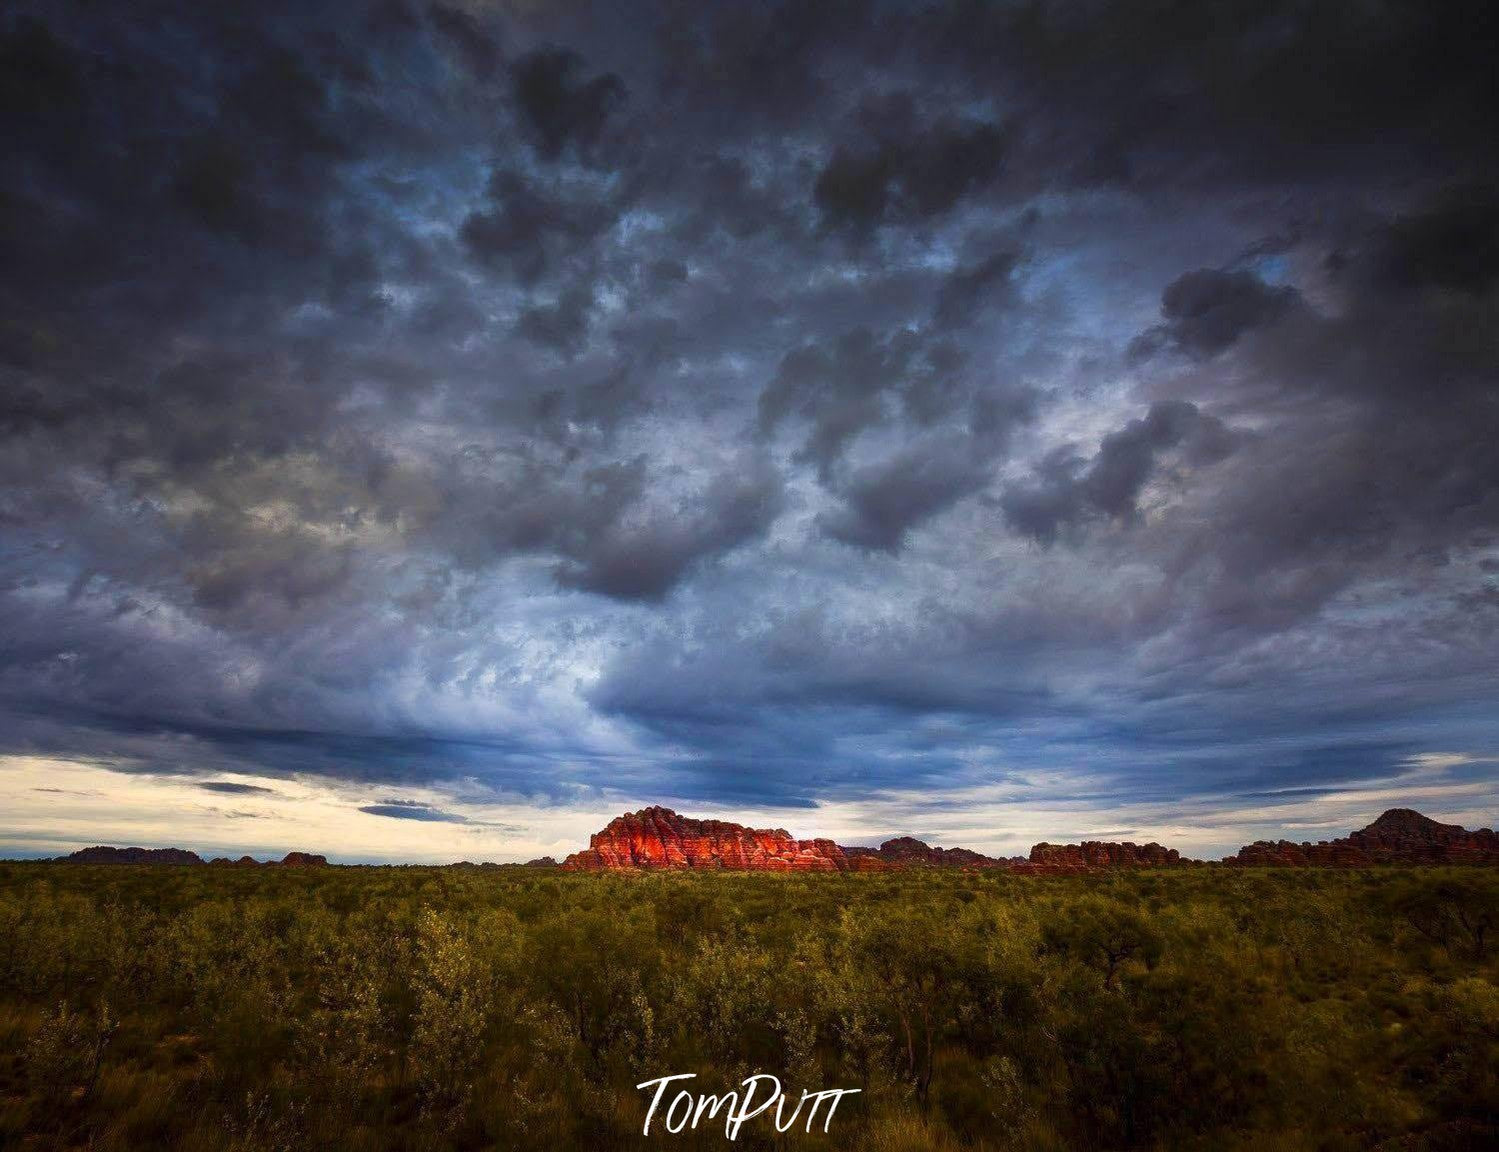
x=909, y=852
x=104, y=855
x=860, y=859
x=1288, y=854
x=1092, y=854
x=540, y=864
x=1403, y=835
x=303, y=860
x=1399, y=836
x=659, y=838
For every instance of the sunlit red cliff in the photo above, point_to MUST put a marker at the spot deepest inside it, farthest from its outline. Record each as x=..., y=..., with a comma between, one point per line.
x=658, y=838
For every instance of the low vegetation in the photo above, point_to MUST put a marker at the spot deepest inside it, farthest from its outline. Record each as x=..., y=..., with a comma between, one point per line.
x=429, y=1009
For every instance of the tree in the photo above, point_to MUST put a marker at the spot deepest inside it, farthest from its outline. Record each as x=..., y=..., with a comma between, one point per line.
x=1103, y=934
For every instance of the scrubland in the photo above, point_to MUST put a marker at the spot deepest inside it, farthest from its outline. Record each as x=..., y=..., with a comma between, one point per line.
x=429, y=1009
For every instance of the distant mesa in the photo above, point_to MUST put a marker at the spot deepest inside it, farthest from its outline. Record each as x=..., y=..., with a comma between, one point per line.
x=657, y=837
x=103, y=855
x=542, y=863
x=1096, y=854
x=1400, y=836
x=303, y=860
x=909, y=852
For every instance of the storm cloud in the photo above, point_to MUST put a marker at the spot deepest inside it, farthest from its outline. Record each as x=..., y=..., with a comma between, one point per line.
x=772, y=404
x=411, y=810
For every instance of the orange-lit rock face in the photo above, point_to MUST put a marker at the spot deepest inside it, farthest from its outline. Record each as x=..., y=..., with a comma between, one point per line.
x=659, y=838
x=1400, y=836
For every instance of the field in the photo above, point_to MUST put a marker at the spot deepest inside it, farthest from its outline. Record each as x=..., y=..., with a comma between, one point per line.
x=423, y=1008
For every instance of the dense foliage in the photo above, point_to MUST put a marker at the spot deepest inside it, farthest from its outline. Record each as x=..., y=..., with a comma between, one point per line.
x=428, y=1008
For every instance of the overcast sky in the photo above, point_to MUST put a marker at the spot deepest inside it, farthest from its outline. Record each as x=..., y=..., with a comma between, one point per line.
x=427, y=430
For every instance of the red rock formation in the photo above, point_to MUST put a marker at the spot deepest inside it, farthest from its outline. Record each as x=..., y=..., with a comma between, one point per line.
x=1405, y=836
x=658, y=838
x=103, y=855
x=1101, y=854
x=1287, y=854
x=909, y=852
x=1400, y=836
x=182, y=856
x=865, y=860
x=303, y=860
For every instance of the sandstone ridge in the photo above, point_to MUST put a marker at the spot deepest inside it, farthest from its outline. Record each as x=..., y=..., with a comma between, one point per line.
x=1399, y=836
x=658, y=837
x=101, y=854
x=909, y=852
x=1095, y=854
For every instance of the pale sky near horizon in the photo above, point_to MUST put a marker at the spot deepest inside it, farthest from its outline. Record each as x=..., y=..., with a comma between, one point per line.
x=56, y=807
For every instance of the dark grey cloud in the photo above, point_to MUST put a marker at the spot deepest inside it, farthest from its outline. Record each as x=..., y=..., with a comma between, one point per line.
x=644, y=557
x=560, y=326
x=1206, y=311
x=908, y=170
x=969, y=287
x=411, y=810
x=754, y=68
x=676, y=397
x=234, y=788
x=1223, y=92
x=429, y=814
x=884, y=501
x=1453, y=245
x=848, y=386
x=530, y=230
x=1067, y=489
x=559, y=106
x=469, y=39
